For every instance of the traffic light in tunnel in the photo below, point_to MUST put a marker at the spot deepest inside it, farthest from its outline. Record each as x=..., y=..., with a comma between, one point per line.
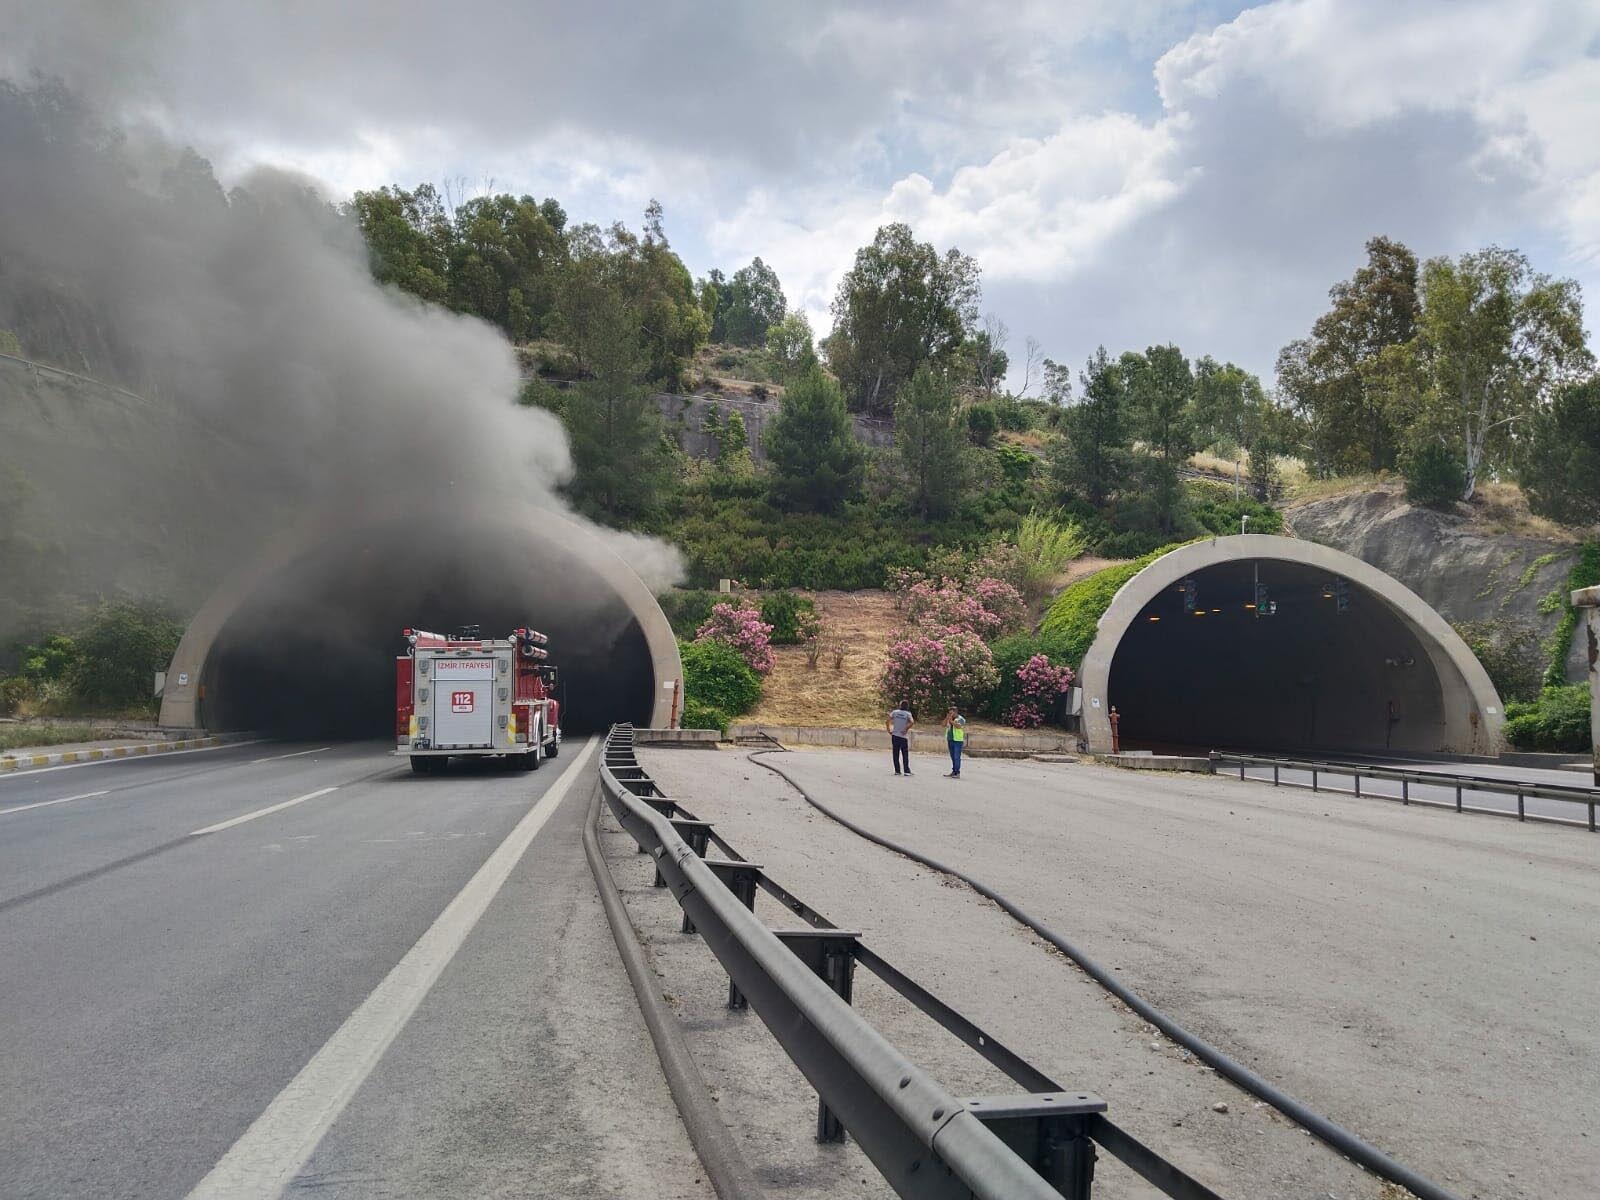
x=1341, y=595
x=1190, y=596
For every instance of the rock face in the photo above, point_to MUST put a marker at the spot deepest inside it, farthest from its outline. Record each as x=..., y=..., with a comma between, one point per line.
x=686, y=420
x=1463, y=571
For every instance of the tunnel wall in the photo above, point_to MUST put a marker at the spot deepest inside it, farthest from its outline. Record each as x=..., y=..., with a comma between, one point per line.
x=533, y=530
x=1450, y=704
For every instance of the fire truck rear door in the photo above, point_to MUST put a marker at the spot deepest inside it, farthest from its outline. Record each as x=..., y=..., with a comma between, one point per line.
x=463, y=708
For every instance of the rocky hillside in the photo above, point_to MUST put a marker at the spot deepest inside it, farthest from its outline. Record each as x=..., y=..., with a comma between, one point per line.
x=1469, y=567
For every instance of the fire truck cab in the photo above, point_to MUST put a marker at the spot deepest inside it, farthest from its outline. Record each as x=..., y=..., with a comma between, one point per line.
x=469, y=696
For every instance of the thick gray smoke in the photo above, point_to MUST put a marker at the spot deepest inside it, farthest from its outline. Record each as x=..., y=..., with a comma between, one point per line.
x=283, y=381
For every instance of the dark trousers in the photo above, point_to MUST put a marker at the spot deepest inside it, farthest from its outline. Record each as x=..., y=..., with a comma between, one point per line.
x=955, y=755
x=900, y=747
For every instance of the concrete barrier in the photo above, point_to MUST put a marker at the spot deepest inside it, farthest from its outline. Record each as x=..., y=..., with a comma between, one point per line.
x=703, y=739
x=923, y=741
x=1145, y=761
x=24, y=762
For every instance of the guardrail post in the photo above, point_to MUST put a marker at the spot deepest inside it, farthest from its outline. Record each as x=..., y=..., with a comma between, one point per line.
x=1458, y=795
x=831, y=955
x=1241, y=769
x=1521, y=815
x=1274, y=774
x=1356, y=775
x=1591, y=816
x=1048, y=1131
x=1313, y=779
x=1405, y=791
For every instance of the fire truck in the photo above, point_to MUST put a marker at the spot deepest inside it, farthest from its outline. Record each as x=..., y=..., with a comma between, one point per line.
x=470, y=696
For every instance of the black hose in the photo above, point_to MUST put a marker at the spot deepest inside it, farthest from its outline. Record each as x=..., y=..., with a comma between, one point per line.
x=725, y=1166
x=1341, y=1139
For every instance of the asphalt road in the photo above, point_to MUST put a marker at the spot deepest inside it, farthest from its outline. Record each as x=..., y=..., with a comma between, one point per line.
x=423, y=959
x=1426, y=979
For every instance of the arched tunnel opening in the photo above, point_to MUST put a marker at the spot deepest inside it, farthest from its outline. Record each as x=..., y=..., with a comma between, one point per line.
x=311, y=652
x=1309, y=671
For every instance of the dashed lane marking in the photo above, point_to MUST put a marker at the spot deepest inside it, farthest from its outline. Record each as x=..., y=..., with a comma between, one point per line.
x=282, y=1139
x=295, y=754
x=16, y=808
x=262, y=812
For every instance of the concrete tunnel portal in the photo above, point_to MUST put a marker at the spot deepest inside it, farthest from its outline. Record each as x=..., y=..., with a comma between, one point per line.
x=301, y=643
x=1343, y=658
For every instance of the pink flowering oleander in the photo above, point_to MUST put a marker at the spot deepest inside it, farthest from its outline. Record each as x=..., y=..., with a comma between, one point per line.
x=1038, y=685
x=744, y=630
x=929, y=669
x=988, y=607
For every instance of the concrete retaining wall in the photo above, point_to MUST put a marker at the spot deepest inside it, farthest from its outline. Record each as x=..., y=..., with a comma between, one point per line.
x=922, y=741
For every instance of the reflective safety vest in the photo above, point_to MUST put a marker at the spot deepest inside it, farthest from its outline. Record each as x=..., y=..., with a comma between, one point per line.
x=958, y=733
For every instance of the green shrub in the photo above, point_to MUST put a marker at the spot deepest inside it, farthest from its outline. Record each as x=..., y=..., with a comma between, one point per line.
x=703, y=716
x=1585, y=573
x=1434, y=476
x=789, y=615
x=1558, y=721
x=1510, y=653
x=983, y=422
x=1010, y=653
x=125, y=645
x=1073, y=617
x=55, y=657
x=716, y=676
x=1132, y=543
x=14, y=692
x=686, y=610
x=1222, y=515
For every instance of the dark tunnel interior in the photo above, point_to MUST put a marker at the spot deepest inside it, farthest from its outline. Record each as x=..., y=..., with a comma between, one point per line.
x=1304, y=677
x=312, y=653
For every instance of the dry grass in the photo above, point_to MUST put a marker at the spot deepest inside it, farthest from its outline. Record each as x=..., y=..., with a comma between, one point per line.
x=1502, y=508
x=847, y=698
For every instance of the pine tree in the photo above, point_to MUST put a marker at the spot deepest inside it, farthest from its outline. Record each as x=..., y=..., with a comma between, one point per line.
x=811, y=445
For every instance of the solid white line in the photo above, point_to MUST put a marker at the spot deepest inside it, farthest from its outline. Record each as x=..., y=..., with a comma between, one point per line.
x=30, y=772
x=296, y=754
x=281, y=1140
x=48, y=803
x=261, y=812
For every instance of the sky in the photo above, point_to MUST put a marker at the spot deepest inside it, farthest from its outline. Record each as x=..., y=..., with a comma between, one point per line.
x=1126, y=172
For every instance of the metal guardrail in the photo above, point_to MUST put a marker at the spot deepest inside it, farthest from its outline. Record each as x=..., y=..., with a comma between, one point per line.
x=1040, y=1143
x=1462, y=785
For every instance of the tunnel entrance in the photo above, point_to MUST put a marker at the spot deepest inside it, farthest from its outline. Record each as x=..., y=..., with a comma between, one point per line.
x=1340, y=657
x=307, y=647
x=1300, y=675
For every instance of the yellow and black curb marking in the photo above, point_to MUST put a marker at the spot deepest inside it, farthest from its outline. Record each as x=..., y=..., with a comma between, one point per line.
x=20, y=762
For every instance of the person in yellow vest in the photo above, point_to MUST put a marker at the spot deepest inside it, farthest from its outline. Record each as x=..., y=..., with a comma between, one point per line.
x=955, y=737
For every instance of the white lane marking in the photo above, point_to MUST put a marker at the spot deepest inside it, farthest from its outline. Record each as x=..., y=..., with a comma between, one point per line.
x=30, y=772
x=261, y=812
x=296, y=754
x=282, y=1139
x=47, y=803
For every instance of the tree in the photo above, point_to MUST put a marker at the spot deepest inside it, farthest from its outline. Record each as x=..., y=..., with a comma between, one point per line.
x=1160, y=398
x=619, y=463
x=1227, y=404
x=1494, y=341
x=1560, y=471
x=900, y=306
x=811, y=446
x=1328, y=377
x=1091, y=459
x=986, y=352
x=605, y=268
x=930, y=440
x=755, y=304
x=790, y=345
x=733, y=439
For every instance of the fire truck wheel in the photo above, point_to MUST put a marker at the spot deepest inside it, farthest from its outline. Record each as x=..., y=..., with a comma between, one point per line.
x=553, y=749
x=530, y=760
x=422, y=766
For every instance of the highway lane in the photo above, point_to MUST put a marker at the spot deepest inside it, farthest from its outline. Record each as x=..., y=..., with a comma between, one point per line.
x=164, y=985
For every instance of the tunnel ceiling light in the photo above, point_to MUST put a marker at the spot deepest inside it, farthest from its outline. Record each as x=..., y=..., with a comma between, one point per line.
x=1249, y=605
x=1216, y=610
x=1155, y=618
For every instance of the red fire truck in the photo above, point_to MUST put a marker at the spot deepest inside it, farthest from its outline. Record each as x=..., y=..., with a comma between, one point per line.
x=468, y=696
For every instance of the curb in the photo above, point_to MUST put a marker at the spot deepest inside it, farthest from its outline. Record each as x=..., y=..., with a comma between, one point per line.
x=23, y=762
x=730, y=1175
